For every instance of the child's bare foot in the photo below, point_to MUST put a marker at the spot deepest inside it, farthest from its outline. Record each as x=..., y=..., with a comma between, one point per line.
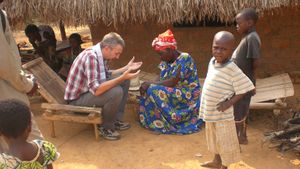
x=211, y=164
x=223, y=167
x=215, y=163
x=243, y=140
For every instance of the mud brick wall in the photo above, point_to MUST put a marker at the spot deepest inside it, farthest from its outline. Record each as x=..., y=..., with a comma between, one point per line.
x=280, y=35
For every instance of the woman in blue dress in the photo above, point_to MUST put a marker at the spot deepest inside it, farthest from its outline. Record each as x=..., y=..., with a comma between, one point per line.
x=171, y=104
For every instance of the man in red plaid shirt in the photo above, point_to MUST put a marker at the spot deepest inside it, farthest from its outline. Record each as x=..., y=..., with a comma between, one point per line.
x=90, y=83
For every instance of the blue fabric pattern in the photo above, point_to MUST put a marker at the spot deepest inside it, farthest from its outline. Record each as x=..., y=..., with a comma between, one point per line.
x=173, y=110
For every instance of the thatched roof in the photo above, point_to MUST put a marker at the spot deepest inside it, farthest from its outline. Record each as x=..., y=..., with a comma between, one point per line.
x=81, y=12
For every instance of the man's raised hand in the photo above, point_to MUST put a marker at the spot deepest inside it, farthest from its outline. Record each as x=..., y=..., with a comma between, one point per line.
x=134, y=65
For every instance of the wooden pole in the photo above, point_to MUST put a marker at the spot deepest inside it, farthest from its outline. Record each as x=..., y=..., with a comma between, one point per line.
x=62, y=30
x=267, y=106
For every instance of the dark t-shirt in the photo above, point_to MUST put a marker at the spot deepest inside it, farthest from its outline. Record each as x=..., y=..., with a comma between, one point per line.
x=247, y=50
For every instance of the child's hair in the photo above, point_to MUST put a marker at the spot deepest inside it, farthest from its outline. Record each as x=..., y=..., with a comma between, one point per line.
x=76, y=37
x=249, y=14
x=31, y=28
x=15, y=117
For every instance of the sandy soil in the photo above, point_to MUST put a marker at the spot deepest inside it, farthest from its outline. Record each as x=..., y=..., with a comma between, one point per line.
x=141, y=149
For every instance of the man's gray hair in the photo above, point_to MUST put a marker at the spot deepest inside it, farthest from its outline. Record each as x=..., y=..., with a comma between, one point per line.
x=112, y=39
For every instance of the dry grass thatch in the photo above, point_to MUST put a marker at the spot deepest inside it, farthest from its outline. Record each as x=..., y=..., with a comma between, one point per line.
x=81, y=12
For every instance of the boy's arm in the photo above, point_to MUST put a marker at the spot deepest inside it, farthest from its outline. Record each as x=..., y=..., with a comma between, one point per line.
x=254, y=52
x=255, y=64
x=241, y=89
x=226, y=104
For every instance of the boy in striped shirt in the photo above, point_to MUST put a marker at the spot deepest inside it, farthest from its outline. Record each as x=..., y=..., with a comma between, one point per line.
x=224, y=85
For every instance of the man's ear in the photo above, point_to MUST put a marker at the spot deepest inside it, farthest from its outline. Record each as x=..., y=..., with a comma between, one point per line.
x=106, y=48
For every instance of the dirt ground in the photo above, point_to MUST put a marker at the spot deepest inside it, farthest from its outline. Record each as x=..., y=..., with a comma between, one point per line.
x=141, y=149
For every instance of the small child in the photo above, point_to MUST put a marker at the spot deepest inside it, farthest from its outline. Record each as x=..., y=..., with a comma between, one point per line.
x=224, y=85
x=68, y=58
x=247, y=58
x=15, y=126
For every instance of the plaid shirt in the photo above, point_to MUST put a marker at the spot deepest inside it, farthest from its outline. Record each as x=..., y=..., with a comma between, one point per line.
x=87, y=72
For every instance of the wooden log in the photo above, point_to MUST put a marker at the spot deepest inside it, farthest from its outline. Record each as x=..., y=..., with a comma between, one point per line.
x=62, y=30
x=287, y=132
x=267, y=106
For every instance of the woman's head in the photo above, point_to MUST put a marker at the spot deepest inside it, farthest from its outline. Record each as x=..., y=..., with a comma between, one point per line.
x=75, y=40
x=15, y=119
x=165, y=45
x=166, y=55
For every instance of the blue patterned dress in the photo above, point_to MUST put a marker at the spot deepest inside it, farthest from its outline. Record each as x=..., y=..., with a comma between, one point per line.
x=173, y=110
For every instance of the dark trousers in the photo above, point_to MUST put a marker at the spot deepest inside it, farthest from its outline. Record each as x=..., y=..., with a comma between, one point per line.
x=112, y=103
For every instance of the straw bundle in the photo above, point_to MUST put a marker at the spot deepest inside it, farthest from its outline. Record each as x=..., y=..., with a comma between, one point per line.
x=82, y=12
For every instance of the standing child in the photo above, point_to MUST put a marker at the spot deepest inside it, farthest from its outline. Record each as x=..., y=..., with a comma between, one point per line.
x=15, y=126
x=246, y=57
x=224, y=85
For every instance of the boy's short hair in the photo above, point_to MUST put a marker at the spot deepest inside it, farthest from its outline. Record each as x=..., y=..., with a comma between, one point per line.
x=112, y=39
x=15, y=117
x=31, y=28
x=76, y=36
x=249, y=14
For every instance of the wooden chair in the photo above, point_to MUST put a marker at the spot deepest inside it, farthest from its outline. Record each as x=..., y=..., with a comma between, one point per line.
x=52, y=88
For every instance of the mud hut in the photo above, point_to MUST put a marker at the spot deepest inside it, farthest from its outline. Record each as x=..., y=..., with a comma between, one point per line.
x=194, y=23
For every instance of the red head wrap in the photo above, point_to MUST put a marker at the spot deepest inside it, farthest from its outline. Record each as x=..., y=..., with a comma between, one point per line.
x=164, y=40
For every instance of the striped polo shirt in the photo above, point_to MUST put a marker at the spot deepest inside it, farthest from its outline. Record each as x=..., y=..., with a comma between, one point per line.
x=221, y=83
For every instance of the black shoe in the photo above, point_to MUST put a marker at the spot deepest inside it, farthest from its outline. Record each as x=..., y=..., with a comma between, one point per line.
x=108, y=133
x=120, y=125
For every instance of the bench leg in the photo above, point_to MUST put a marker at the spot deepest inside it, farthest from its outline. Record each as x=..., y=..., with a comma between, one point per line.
x=52, y=128
x=96, y=132
x=276, y=113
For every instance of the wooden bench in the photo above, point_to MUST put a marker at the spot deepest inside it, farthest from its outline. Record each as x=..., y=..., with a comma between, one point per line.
x=52, y=88
x=271, y=92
